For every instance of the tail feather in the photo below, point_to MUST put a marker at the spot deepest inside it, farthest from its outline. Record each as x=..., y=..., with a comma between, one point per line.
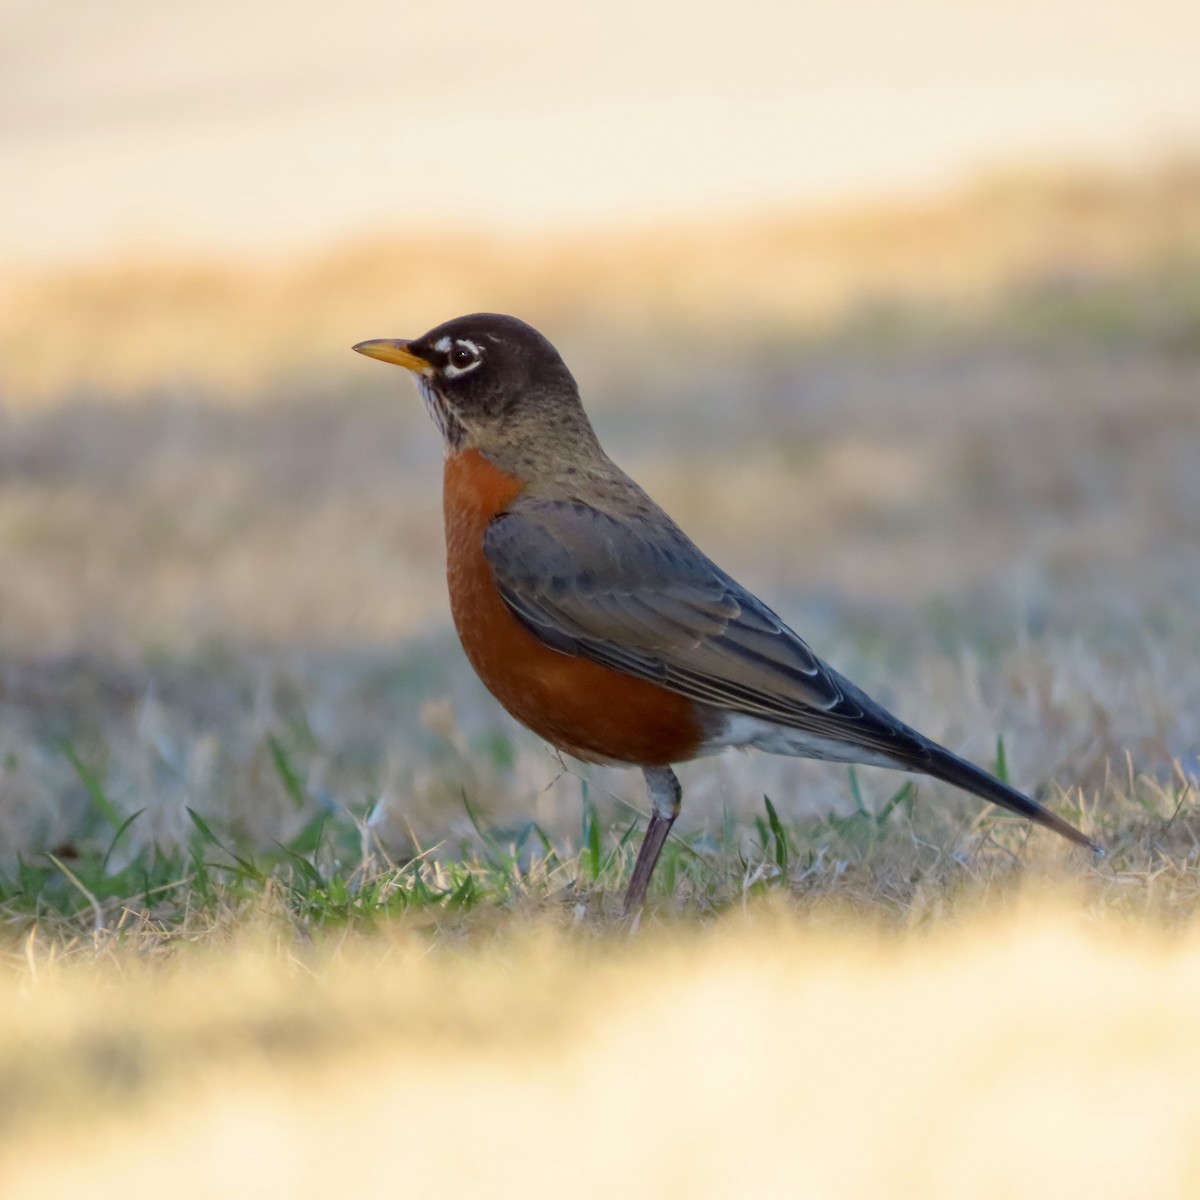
x=951, y=769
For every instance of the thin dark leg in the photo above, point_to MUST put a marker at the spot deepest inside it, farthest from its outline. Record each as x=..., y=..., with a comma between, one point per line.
x=665, y=794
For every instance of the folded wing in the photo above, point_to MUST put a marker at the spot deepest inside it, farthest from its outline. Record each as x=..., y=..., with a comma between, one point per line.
x=647, y=602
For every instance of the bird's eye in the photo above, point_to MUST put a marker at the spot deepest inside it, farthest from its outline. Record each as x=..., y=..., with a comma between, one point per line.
x=463, y=355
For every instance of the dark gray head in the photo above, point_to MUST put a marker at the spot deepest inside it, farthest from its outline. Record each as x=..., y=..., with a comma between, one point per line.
x=488, y=378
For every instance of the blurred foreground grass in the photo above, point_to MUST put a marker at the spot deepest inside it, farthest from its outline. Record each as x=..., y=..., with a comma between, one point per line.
x=1039, y=1048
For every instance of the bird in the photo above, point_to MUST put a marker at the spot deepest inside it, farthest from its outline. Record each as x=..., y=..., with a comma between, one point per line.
x=597, y=622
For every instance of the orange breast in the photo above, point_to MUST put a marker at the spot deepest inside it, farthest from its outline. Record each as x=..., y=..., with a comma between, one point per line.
x=581, y=707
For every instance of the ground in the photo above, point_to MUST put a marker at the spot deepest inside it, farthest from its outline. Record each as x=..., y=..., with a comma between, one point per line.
x=280, y=885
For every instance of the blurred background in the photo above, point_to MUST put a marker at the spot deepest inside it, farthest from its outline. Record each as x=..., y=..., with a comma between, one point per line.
x=896, y=308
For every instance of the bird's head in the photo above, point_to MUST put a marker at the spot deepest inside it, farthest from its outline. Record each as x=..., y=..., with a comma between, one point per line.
x=487, y=379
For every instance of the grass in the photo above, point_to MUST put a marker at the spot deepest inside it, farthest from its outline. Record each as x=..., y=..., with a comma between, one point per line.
x=1032, y=1047
x=286, y=902
x=1045, y=257
x=894, y=858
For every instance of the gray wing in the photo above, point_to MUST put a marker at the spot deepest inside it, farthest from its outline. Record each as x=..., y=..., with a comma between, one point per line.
x=645, y=601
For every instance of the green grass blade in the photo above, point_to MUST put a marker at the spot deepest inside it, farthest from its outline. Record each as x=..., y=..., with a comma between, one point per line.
x=590, y=855
x=95, y=790
x=492, y=850
x=778, y=836
x=308, y=840
x=288, y=775
x=1001, y=761
x=112, y=845
x=206, y=834
x=465, y=895
x=247, y=868
x=311, y=875
x=856, y=792
x=902, y=795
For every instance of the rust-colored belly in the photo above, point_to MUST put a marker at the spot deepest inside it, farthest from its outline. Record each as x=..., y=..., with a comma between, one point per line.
x=581, y=707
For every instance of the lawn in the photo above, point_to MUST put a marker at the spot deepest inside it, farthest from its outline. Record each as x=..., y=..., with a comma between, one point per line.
x=288, y=904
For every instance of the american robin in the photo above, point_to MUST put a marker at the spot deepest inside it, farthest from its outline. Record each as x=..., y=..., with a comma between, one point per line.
x=593, y=618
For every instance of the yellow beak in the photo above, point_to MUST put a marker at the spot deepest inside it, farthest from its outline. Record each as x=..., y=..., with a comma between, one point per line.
x=392, y=350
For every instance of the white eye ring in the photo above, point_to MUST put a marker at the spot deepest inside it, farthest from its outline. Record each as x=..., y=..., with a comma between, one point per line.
x=462, y=357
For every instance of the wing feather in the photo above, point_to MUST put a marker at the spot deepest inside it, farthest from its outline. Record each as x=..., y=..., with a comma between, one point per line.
x=646, y=601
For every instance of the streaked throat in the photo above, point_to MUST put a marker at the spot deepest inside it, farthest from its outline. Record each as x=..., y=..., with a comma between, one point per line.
x=450, y=427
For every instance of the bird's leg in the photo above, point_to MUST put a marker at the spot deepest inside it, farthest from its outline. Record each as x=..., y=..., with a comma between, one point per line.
x=665, y=794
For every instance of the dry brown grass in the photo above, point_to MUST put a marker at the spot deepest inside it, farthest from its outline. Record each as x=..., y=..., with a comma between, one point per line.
x=996, y=543
x=1041, y=1051
x=979, y=499
x=245, y=330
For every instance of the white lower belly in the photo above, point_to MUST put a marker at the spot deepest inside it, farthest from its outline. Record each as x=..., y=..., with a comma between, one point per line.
x=743, y=730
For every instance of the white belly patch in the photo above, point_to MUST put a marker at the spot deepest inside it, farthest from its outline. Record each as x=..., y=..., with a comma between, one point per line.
x=743, y=730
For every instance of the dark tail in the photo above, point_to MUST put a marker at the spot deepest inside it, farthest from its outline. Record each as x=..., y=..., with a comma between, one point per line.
x=951, y=769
